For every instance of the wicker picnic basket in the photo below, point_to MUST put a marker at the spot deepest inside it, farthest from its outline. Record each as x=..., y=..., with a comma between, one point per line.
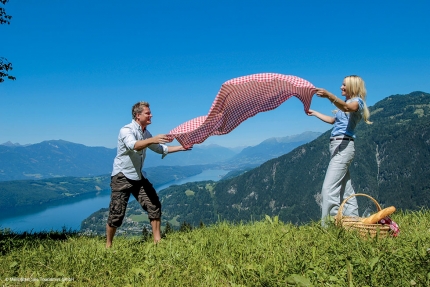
x=353, y=223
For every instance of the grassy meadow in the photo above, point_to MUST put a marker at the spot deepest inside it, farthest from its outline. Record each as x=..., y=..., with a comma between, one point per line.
x=262, y=253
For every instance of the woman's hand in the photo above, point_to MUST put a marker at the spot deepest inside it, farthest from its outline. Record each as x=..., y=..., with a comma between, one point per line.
x=324, y=118
x=310, y=112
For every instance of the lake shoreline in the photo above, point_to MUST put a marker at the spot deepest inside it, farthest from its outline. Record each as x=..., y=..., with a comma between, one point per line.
x=69, y=212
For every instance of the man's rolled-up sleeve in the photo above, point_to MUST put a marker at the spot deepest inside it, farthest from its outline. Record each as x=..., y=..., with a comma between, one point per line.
x=128, y=138
x=159, y=148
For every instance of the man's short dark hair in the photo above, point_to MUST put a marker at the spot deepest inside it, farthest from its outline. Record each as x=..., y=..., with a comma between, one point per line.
x=138, y=108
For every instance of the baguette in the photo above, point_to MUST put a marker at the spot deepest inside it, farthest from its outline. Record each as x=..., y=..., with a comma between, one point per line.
x=374, y=218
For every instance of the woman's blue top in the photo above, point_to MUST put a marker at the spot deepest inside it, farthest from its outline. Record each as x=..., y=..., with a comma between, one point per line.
x=345, y=123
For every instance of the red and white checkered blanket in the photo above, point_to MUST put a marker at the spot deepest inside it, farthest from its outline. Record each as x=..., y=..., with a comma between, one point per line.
x=242, y=98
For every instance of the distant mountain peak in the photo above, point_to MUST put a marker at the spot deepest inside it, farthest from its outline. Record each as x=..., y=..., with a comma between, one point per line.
x=293, y=138
x=9, y=143
x=208, y=146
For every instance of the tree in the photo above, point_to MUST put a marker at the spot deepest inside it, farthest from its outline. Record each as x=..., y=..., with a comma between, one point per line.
x=5, y=65
x=185, y=227
x=167, y=230
x=145, y=233
x=4, y=18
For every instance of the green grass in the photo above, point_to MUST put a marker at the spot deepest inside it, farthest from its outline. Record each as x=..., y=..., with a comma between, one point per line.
x=263, y=253
x=140, y=218
x=175, y=222
x=189, y=192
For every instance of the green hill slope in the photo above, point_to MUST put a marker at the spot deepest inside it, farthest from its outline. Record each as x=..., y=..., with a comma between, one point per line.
x=263, y=253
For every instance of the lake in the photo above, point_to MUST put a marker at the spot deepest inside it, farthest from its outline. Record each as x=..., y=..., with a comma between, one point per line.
x=70, y=214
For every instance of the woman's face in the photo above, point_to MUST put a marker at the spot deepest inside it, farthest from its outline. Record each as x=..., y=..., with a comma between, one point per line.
x=343, y=89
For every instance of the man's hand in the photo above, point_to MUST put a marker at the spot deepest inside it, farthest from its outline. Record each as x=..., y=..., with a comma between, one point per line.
x=160, y=139
x=322, y=93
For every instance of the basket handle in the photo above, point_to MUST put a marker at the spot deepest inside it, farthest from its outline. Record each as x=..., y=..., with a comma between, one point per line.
x=340, y=210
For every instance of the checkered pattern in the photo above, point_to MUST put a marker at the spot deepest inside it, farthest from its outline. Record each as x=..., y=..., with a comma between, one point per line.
x=394, y=228
x=240, y=99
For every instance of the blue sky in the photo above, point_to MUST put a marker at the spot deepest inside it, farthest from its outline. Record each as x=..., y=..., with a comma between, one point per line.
x=81, y=65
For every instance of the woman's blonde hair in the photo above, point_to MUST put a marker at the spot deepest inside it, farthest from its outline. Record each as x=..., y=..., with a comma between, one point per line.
x=355, y=87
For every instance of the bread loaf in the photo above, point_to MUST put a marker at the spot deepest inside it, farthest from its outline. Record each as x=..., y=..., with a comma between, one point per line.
x=374, y=218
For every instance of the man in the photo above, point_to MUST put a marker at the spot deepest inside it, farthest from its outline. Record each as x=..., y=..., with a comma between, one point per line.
x=127, y=177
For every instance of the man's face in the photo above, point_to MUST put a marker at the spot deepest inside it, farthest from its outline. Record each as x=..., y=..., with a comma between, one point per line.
x=144, y=118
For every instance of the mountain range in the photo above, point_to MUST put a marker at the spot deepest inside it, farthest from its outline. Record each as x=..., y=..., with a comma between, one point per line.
x=59, y=158
x=55, y=158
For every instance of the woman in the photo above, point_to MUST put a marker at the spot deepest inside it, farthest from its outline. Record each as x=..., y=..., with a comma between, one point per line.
x=337, y=183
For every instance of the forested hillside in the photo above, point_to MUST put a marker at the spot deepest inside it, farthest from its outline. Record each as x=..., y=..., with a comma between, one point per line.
x=391, y=164
x=21, y=193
